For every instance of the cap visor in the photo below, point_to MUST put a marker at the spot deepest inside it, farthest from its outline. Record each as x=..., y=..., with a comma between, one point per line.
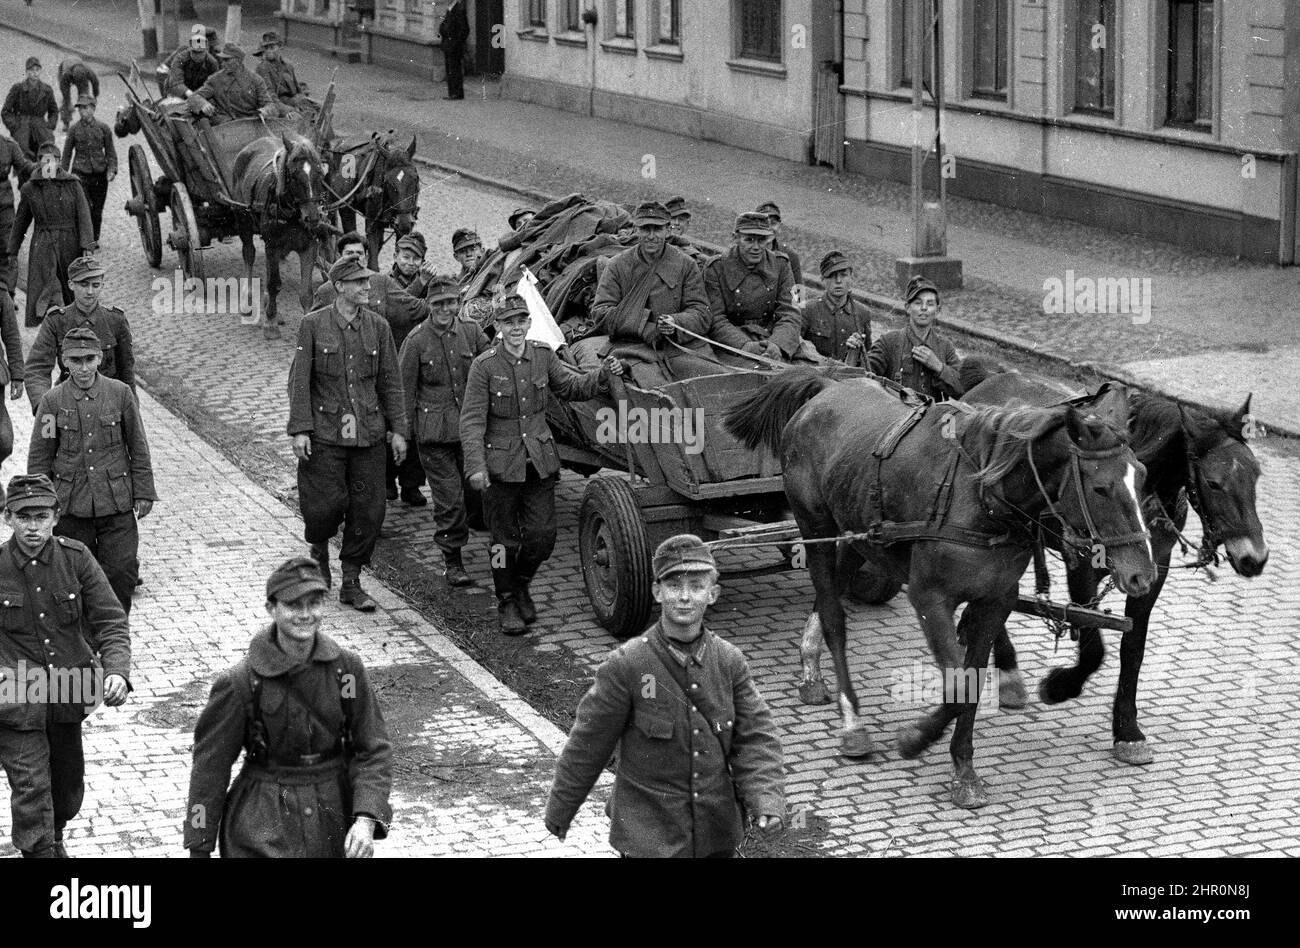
x=299, y=589
x=22, y=503
x=687, y=568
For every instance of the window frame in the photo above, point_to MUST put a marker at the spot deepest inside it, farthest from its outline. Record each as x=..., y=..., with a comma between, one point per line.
x=530, y=10
x=1007, y=38
x=1114, y=34
x=654, y=18
x=1167, y=106
x=740, y=52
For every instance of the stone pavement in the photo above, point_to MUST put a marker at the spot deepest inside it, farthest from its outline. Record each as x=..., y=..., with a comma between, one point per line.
x=1201, y=303
x=472, y=762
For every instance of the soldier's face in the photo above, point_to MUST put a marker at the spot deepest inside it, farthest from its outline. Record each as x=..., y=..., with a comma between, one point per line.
x=355, y=251
x=839, y=284
x=752, y=247
x=298, y=619
x=522, y=220
x=443, y=314
x=652, y=237
x=82, y=366
x=34, y=74
x=684, y=598
x=230, y=65
x=407, y=262
x=680, y=225
x=271, y=53
x=469, y=257
x=514, y=329
x=86, y=292
x=356, y=292
x=32, y=527
x=923, y=310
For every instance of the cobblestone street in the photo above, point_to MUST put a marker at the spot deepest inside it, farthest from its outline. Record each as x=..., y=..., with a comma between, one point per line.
x=1217, y=695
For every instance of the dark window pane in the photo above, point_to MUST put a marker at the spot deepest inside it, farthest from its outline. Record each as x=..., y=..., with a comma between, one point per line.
x=537, y=13
x=760, y=29
x=1191, y=62
x=905, y=48
x=572, y=14
x=1094, y=69
x=990, y=30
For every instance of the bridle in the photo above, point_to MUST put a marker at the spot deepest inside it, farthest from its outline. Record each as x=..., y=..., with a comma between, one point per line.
x=1195, y=496
x=1069, y=536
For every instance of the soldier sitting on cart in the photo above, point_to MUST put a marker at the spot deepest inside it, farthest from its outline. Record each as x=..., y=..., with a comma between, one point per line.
x=187, y=69
x=280, y=77
x=232, y=93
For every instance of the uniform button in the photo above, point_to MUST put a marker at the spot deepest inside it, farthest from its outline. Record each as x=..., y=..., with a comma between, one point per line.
x=694, y=686
x=38, y=589
x=696, y=794
x=696, y=753
x=92, y=468
x=696, y=731
x=72, y=595
x=47, y=641
x=695, y=776
x=306, y=811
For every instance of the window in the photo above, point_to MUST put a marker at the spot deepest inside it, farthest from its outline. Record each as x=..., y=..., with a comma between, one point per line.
x=759, y=29
x=991, y=28
x=667, y=23
x=621, y=22
x=905, y=43
x=1095, y=38
x=537, y=15
x=1191, y=63
x=571, y=11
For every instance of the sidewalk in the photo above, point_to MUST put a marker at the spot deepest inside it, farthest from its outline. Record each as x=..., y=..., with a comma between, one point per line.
x=472, y=762
x=1218, y=326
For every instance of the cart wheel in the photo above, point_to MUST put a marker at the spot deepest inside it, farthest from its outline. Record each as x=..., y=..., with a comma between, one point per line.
x=615, y=556
x=143, y=207
x=185, y=237
x=871, y=588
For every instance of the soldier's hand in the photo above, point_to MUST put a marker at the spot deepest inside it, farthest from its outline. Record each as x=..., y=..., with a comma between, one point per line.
x=399, y=448
x=428, y=271
x=142, y=508
x=115, y=690
x=479, y=480
x=559, y=832
x=112, y=175
x=360, y=841
x=854, y=341
x=666, y=325
x=753, y=346
x=613, y=366
x=769, y=825
x=302, y=446
x=925, y=355
x=15, y=390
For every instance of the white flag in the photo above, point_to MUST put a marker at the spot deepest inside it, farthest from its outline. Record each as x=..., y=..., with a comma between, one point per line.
x=543, y=328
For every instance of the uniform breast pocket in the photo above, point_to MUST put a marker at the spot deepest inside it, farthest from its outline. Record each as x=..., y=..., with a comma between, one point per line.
x=329, y=357
x=502, y=396
x=11, y=611
x=110, y=424
x=658, y=727
x=68, y=604
x=370, y=364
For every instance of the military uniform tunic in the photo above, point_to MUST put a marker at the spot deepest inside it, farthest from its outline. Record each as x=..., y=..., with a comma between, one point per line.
x=240, y=95
x=109, y=325
x=891, y=356
x=12, y=162
x=829, y=327
x=31, y=114
x=187, y=72
x=758, y=299
x=280, y=79
x=62, y=230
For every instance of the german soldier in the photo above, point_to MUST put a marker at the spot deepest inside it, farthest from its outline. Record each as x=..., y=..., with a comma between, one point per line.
x=278, y=74
x=30, y=112
x=917, y=356
x=12, y=162
x=520, y=217
x=232, y=93
x=836, y=324
x=435, y=361
x=57, y=613
x=467, y=248
x=774, y=218
x=187, y=69
x=752, y=285
x=345, y=393
x=510, y=453
x=11, y=368
x=75, y=74
x=89, y=154
x=89, y=439
x=108, y=323
x=318, y=765
x=695, y=739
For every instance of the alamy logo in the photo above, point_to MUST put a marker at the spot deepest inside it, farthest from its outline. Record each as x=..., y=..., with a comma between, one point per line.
x=1122, y=296
x=636, y=425
x=179, y=295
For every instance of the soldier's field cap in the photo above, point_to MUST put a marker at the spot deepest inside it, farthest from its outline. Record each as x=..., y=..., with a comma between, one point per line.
x=414, y=243
x=512, y=305
x=81, y=341
x=231, y=51
x=464, y=238
x=834, y=262
x=918, y=285
x=683, y=553
x=676, y=207
x=269, y=38
x=295, y=578
x=30, y=490
x=516, y=214
x=349, y=268
x=85, y=99
x=85, y=268
x=754, y=223
x=651, y=213
x=32, y=63
x=47, y=148
x=441, y=289
x=769, y=209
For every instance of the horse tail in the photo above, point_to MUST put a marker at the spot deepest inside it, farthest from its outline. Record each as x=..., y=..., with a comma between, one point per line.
x=975, y=369
x=761, y=418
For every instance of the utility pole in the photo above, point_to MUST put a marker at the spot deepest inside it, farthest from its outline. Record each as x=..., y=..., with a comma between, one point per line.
x=234, y=21
x=148, y=29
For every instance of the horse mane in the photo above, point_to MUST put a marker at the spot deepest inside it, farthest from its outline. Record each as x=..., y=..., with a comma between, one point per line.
x=1154, y=421
x=999, y=438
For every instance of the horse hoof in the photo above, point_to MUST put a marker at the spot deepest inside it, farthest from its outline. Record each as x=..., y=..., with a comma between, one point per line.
x=1132, y=752
x=910, y=741
x=970, y=794
x=856, y=743
x=1056, y=687
x=1011, y=690
x=814, y=692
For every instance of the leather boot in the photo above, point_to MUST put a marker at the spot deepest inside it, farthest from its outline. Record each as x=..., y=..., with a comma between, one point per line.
x=351, y=593
x=508, y=618
x=455, y=574
x=414, y=496
x=524, y=600
x=320, y=552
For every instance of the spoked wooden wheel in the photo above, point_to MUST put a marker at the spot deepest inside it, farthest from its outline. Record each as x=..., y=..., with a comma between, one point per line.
x=142, y=206
x=185, y=237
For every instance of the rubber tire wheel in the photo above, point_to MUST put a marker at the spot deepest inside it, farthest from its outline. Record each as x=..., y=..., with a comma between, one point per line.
x=872, y=588
x=615, y=555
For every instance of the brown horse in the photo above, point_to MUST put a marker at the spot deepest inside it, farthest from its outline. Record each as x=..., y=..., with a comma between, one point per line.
x=1191, y=456
x=388, y=194
x=946, y=497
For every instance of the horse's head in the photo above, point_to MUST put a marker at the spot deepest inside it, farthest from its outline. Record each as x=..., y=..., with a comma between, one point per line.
x=302, y=175
x=400, y=187
x=1221, y=476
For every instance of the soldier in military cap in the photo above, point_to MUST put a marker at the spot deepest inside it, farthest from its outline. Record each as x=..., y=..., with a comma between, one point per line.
x=189, y=67
x=510, y=453
x=520, y=217
x=317, y=770
x=11, y=368
x=467, y=248
x=108, y=323
x=345, y=398
x=918, y=356
x=435, y=361
x=30, y=112
x=751, y=285
x=232, y=93
x=57, y=613
x=88, y=437
x=836, y=324
x=54, y=205
x=681, y=217
x=89, y=154
x=694, y=737
x=13, y=162
x=774, y=218
x=278, y=74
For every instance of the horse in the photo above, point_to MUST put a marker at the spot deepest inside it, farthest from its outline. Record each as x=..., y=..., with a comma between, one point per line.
x=1191, y=456
x=379, y=182
x=855, y=458
x=283, y=182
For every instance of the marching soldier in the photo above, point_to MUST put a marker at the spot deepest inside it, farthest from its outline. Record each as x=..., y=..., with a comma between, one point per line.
x=917, y=356
x=751, y=285
x=11, y=368
x=89, y=438
x=837, y=325
x=30, y=112
x=435, y=361
x=232, y=93
x=774, y=218
x=54, y=205
x=695, y=738
x=12, y=162
x=73, y=73
x=318, y=768
x=57, y=611
x=345, y=393
x=108, y=323
x=510, y=453
x=189, y=67
x=89, y=154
